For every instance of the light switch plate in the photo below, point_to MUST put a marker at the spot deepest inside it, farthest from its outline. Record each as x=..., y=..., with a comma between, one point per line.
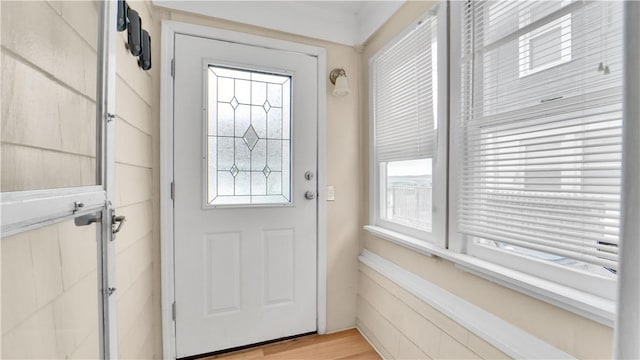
x=331, y=193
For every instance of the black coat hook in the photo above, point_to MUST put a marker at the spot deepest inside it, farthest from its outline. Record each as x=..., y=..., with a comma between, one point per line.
x=138, y=39
x=134, y=32
x=122, y=15
x=144, y=61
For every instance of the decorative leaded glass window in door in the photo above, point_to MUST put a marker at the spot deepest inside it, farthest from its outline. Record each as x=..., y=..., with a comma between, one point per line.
x=248, y=137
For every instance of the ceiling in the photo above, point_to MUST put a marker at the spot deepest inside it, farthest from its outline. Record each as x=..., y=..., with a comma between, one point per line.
x=344, y=22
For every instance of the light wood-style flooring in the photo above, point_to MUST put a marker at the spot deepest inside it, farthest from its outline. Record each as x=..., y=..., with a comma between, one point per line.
x=344, y=345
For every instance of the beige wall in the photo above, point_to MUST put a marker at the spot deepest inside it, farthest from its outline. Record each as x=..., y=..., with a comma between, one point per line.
x=137, y=267
x=343, y=160
x=404, y=327
x=381, y=304
x=49, y=293
x=53, y=69
x=48, y=59
x=49, y=279
x=38, y=289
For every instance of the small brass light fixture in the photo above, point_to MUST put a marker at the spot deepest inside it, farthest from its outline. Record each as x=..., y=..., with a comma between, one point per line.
x=338, y=78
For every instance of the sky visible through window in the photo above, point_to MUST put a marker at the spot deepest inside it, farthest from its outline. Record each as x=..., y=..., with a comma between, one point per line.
x=409, y=168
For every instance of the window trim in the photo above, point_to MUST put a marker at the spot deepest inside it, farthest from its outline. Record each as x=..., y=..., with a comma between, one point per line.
x=590, y=306
x=577, y=281
x=564, y=275
x=586, y=304
x=437, y=235
x=206, y=205
x=564, y=22
x=525, y=60
x=583, y=304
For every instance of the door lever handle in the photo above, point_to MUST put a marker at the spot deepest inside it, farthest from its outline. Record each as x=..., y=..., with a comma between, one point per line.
x=85, y=220
x=119, y=220
x=310, y=195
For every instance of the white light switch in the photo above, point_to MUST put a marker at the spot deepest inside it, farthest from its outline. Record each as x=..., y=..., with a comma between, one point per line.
x=331, y=193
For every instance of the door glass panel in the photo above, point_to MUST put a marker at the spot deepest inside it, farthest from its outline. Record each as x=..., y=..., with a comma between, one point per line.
x=50, y=293
x=248, y=137
x=48, y=95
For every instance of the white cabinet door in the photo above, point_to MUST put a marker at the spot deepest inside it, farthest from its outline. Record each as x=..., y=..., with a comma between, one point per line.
x=245, y=126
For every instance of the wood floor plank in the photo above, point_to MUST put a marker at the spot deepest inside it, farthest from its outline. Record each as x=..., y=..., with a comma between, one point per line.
x=367, y=355
x=329, y=350
x=249, y=354
x=344, y=345
x=307, y=341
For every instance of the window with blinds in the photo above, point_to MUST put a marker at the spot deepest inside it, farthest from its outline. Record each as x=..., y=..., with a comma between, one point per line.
x=541, y=130
x=404, y=103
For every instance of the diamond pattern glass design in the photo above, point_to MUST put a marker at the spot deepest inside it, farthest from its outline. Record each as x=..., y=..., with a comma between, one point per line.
x=234, y=170
x=248, y=137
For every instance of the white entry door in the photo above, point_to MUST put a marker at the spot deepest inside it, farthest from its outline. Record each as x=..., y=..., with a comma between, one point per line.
x=245, y=157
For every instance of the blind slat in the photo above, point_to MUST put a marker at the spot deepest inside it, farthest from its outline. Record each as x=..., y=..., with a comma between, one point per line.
x=594, y=220
x=541, y=127
x=405, y=97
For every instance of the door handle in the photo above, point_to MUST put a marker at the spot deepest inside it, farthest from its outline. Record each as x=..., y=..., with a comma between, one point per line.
x=117, y=220
x=310, y=195
x=85, y=220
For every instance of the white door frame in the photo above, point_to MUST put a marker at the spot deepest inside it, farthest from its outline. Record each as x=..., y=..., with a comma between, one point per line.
x=169, y=29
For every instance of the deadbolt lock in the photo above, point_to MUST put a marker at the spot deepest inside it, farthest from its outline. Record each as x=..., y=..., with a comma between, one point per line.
x=308, y=175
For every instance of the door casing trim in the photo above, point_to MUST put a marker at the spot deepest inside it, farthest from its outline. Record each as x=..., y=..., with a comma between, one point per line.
x=169, y=30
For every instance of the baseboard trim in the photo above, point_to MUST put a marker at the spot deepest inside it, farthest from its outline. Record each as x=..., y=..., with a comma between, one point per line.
x=501, y=334
x=340, y=330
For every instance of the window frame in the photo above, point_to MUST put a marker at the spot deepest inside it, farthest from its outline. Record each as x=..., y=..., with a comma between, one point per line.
x=437, y=235
x=564, y=22
x=206, y=183
x=577, y=281
x=583, y=303
x=589, y=283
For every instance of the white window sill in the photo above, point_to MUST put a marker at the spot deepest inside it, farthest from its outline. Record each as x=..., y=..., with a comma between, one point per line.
x=506, y=337
x=584, y=304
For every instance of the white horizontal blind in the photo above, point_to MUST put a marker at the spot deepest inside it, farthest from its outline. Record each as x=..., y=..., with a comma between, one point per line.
x=404, y=103
x=541, y=127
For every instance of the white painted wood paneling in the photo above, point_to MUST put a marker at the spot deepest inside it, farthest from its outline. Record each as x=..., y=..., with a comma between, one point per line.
x=506, y=337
